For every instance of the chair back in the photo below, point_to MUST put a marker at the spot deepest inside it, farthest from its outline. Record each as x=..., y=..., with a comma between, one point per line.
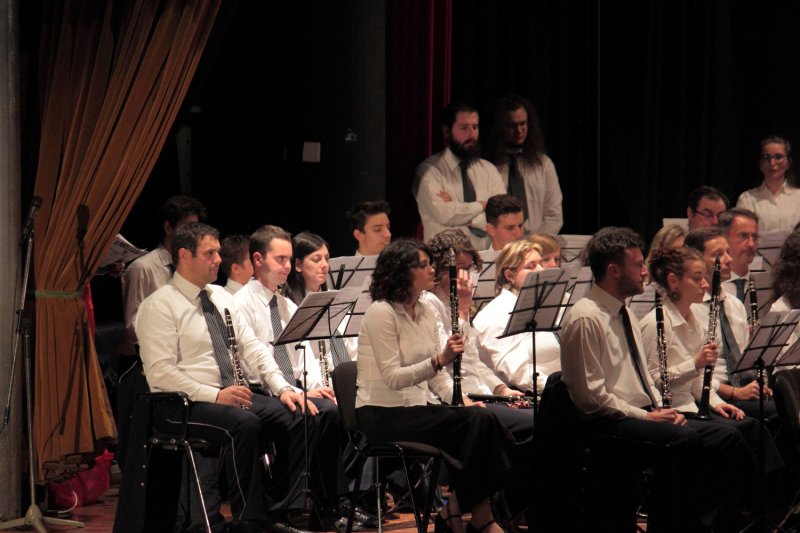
x=787, y=400
x=344, y=386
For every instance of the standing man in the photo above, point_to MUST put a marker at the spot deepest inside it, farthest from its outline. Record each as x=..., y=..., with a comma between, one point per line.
x=371, y=227
x=740, y=228
x=452, y=187
x=236, y=264
x=527, y=172
x=605, y=370
x=267, y=312
x=183, y=342
x=705, y=205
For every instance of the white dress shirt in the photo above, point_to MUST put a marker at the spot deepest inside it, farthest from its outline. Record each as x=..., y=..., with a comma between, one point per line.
x=233, y=286
x=779, y=211
x=394, y=356
x=737, y=318
x=596, y=362
x=253, y=301
x=511, y=357
x=175, y=344
x=441, y=172
x=683, y=338
x=543, y=195
x=141, y=279
x=476, y=377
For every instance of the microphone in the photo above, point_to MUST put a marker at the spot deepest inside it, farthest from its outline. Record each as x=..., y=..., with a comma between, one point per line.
x=27, y=228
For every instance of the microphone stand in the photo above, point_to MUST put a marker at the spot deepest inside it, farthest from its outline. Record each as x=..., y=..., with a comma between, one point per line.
x=33, y=517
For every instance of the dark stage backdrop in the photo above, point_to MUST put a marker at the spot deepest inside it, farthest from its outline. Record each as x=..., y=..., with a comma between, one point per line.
x=640, y=102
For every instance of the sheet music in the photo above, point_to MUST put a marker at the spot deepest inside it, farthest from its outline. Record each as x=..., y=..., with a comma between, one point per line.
x=350, y=271
x=121, y=251
x=571, y=248
x=541, y=299
x=769, y=247
x=484, y=287
x=641, y=304
x=768, y=340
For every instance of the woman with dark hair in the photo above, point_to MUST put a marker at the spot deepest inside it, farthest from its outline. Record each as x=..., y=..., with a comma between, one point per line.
x=777, y=200
x=400, y=355
x=310, y=267
x=785, y=278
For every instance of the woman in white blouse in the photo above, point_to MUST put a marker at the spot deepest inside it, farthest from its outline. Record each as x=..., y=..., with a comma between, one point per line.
x=400, y=354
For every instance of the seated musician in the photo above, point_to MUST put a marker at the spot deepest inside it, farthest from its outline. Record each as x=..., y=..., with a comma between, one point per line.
x=236, y=264
x=511, y=358
x=267, y=312
x=551, y=249
x=400, y=355
x=681, y=275
x=605, y=372
x=504, y=223
x=178, y=327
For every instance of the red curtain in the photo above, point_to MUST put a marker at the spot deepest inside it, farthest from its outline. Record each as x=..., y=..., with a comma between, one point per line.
x=113, y=74
x=418, y=63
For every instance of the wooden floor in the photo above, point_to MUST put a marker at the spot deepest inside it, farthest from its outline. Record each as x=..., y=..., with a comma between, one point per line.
x=99, y=517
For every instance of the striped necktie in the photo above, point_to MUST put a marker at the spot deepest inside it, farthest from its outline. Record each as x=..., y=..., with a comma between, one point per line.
x=281, y=355
x=469, y=194
x=216, y=328
x=730, y=349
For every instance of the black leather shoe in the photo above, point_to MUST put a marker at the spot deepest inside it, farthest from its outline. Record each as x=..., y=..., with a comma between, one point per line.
x=280, y=527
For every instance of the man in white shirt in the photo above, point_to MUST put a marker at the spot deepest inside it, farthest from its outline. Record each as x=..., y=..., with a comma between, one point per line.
x=705, y=204
x=140, y=279
x=266, y=311
x=740, y=228
x=184, y=348
x=452, y=187
x=739, y=389
x=504, y=221
x=371, y=227
x=236, y=264
x=605, y=371
x=527, y=172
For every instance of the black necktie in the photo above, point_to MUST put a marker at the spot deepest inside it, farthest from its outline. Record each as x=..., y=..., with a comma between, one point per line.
x=626, y=323
x=740, y=283
x=216, y=328
x=469, y=194
x=730, y=349
x=281, y=355
x=516, y=186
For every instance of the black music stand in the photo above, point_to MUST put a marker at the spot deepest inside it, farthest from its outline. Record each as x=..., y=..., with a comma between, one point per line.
x=351, y=271
x=538, y=307
x=317, y=317
x=762, y=353
x=572, y=247
x=580, y=281
x=484, y=286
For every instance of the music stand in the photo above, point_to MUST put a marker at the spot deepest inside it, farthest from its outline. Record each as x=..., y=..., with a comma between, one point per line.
x=350, y=271
x=317, y=317
x=769, y=247
x=641, y=304
x=537, y=308
x=571, y=248
x=762, y=353
x=484, y=286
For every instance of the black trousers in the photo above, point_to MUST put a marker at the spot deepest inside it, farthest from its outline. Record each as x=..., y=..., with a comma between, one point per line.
x=477, y=446
x=692, y=465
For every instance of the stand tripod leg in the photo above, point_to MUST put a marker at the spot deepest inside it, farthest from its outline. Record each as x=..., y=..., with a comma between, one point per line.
x=35, y=519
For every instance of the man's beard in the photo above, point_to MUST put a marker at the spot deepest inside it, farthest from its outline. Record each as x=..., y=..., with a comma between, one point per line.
x=465, y=154
x=629, y=287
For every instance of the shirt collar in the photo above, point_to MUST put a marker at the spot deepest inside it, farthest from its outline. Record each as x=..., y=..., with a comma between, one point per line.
x=187, y=288
x=605, y=299
x=163, y=255
x=671, y=311
x=451, y=159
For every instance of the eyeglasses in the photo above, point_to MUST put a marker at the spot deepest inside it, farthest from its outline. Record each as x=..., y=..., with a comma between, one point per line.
x=706, y=213
x=777, y=157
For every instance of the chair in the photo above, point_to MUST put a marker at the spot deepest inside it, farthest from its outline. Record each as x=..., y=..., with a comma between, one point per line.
x=787, y=400
x=344, y=386
x=148, y=433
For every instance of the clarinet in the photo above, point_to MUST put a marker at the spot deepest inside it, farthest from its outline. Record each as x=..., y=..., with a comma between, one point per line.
x=323, y=365
x=236, y=362
x=661, y=349
x=703, y=412
x=458, y=399
x=524, y=402
x=753, y=321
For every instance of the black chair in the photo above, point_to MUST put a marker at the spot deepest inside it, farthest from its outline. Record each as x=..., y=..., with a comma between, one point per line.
x=154, y=432
x=786, y=387
x=344, y=385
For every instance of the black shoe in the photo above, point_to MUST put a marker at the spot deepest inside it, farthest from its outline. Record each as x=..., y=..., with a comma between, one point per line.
x=360, y=517
x=280, y=527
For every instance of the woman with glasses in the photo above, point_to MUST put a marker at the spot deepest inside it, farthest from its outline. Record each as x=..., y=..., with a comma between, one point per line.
x=400, y=355
x=777, y=200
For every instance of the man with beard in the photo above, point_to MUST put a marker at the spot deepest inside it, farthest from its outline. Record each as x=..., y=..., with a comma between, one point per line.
x=740, y=227
x=529, y=175
x=605, y=370
x=452, y=187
